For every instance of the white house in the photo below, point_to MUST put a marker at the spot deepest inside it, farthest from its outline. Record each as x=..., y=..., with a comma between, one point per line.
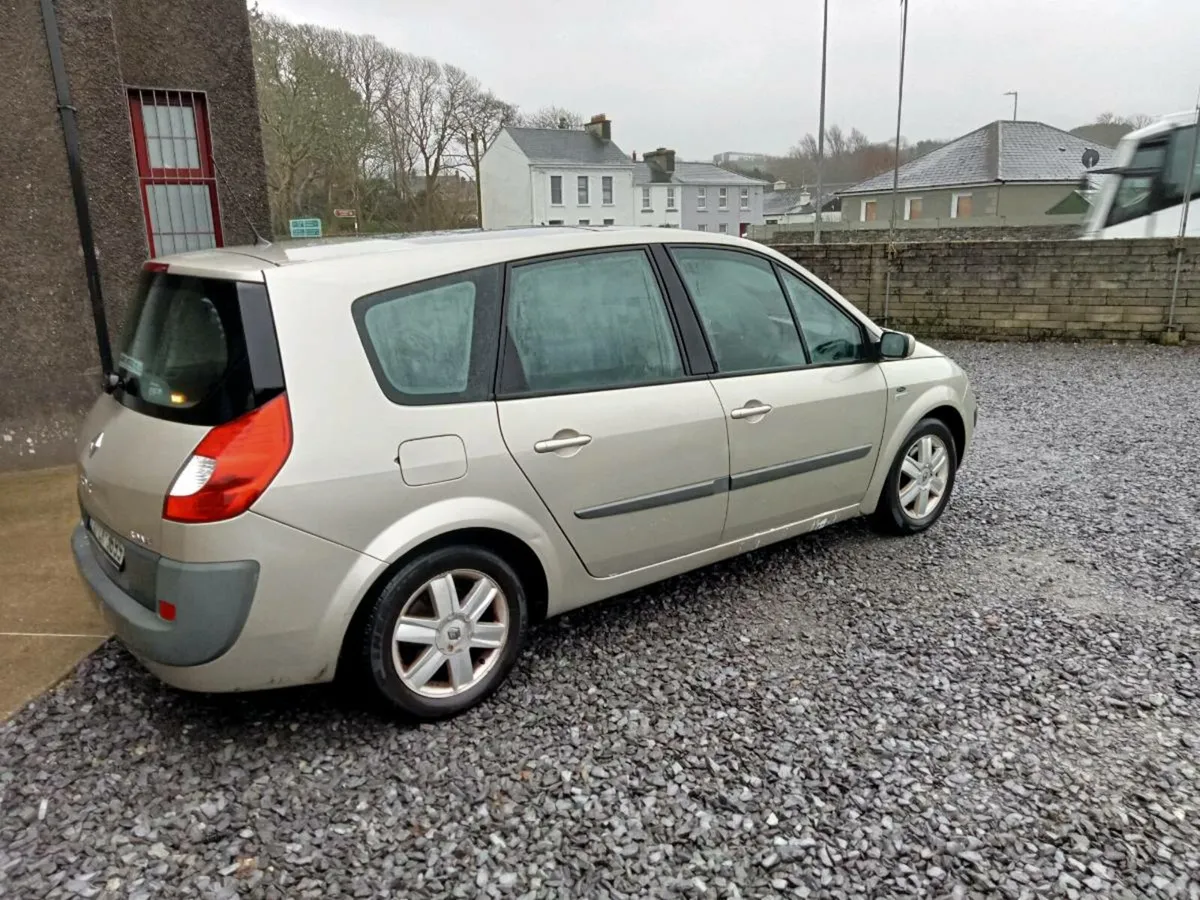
x=557, y=176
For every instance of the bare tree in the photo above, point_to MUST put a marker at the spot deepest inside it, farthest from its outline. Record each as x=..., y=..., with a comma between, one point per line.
x=551, y=117
x=835, y=140
x=350, y=122
x=479, y=120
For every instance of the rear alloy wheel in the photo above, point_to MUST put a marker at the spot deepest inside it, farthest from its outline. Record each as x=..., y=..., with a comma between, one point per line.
x=445, y=632
x=920, y=482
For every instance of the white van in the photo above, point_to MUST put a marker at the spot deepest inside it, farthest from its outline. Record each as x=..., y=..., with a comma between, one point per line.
x=1142, y=194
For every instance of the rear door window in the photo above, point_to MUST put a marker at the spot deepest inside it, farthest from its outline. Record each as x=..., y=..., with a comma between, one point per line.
x=434, y=341
x=198, y=350
x=591, y=322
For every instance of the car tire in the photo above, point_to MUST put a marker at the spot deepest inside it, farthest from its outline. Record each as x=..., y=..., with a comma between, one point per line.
x=918, y=470
x=435, y=664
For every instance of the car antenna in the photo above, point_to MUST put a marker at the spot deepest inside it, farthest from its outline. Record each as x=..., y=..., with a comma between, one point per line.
x=259, y=240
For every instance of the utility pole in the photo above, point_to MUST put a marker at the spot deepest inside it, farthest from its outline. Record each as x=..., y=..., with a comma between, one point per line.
x=821, y=127
x=1014, y=95
x=887, y=294
x=1188, y=187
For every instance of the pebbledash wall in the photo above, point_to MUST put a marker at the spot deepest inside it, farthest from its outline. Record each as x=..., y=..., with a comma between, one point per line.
x=1110, y=290
x=49, y=365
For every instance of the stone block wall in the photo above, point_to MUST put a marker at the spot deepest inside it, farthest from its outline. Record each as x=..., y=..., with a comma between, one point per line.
x=1112, y=290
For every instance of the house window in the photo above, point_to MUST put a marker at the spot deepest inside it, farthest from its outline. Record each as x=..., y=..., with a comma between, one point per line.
x=701, y=198
x=912, y=208
x=175, y=170
x=606, y=190
x=670, y=198
x=960, y=206
x=585, y=221
x=646, y=204
x=723, y=228
x=583, y=191
x=556, y=190
x=702, y=228
x=556, y=221
x=723, y=198
x=610, y=221
x=870, y=210
x=745, y=198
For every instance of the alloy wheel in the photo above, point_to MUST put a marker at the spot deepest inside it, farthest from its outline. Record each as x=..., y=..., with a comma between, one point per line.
x=450, y=633
x=924, y=475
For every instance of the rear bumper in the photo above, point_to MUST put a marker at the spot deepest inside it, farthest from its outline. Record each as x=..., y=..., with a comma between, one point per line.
x=212, y=602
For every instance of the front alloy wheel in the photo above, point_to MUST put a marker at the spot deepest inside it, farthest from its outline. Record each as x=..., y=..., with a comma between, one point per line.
x=924, y=476
x=920, y=481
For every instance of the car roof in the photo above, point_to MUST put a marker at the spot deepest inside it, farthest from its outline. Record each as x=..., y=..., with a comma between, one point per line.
x=467, y=247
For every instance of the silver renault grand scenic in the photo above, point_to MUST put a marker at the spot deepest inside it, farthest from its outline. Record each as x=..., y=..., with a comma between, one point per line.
x=394, y=456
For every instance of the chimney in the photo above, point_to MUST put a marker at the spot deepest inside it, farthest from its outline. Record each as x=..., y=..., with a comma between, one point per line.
x=600, y=127
x=633, y=156
x=661, y=160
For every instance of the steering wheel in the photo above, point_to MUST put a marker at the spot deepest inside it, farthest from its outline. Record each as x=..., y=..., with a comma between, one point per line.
x=837, y=348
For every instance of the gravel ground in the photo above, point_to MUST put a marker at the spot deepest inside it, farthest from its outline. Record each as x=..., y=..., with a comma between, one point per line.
x=1007, y=706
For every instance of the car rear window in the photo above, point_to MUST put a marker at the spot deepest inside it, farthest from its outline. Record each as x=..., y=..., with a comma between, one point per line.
x=198, y=350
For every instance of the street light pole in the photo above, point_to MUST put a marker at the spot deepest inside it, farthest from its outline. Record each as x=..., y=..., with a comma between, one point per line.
x=1014, y=95
x=887, y=294
x=821, y=127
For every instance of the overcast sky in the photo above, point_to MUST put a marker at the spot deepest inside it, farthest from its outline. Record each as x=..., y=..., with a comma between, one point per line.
x=703, y=76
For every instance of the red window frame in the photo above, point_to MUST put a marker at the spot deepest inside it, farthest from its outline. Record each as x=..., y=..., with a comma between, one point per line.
x=149, y=175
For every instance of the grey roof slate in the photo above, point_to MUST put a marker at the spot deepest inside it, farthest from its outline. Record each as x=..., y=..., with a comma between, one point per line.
x=999, y=151
x=788, y=201
x=567, y=146
x=699, y=173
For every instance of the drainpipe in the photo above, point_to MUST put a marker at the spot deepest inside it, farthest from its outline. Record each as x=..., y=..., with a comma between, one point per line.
x=70, y=127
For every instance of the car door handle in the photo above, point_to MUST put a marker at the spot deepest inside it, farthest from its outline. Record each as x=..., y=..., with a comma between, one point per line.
x=562, y=443
x=750, y=410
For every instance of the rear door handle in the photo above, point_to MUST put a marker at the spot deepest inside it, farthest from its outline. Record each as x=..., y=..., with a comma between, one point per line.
x=562, y=443
x=751, y=410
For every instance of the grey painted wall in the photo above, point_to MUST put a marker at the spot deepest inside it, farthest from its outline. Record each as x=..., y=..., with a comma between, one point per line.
x=713, y=216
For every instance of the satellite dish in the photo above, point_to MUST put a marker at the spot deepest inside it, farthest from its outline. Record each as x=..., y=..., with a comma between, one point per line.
x=1091, y=156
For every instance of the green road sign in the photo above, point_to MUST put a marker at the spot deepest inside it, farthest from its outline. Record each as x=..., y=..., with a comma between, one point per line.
x=304, y=228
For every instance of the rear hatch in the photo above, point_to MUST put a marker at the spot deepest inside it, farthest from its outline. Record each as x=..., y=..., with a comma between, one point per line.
x=198, y=360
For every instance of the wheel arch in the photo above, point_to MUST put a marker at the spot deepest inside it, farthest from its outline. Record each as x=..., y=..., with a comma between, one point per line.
x=512, y=549
x=953, y=419
x=939, y=402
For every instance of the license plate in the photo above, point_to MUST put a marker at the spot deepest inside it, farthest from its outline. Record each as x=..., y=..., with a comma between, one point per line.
x=112, y=547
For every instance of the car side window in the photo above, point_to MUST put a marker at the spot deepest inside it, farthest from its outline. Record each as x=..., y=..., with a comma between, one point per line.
x=590, y=322
x=832, y=336
x=742, y=309
x=434, y=341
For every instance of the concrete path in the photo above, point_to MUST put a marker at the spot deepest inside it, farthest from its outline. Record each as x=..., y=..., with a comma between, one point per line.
x=47, y=622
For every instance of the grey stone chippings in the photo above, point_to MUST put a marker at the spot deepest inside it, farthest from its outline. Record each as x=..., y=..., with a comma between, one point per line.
x=1006, y=706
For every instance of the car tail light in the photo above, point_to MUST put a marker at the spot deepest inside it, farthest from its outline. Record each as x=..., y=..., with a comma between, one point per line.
x=232, y=466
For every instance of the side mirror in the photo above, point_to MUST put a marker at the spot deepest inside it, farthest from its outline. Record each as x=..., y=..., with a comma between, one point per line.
x=895, y=345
